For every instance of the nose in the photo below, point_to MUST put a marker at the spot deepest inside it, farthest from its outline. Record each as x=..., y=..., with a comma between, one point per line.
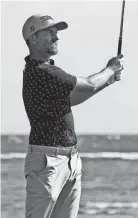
x=55, y=38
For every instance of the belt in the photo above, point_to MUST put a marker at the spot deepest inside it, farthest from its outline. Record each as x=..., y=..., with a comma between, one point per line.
x=53, y=150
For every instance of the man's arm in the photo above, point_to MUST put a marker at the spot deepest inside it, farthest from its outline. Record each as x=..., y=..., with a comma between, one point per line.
x=87, y=87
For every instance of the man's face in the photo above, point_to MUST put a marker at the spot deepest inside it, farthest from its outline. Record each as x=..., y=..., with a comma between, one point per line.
x=46, y=41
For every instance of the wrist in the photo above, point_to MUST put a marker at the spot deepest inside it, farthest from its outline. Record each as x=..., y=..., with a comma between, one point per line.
x=111, y=74
x=110, y=71
x=111, y=80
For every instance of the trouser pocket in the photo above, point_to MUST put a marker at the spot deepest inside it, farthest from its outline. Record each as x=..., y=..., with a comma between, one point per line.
x=41, y=171
x=35, y=162
x=41, y=166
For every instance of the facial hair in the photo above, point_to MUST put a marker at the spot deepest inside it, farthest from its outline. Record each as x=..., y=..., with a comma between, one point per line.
x=52, y=49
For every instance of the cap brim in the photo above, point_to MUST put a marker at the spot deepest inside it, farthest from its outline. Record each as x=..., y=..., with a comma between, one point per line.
x=61, y=25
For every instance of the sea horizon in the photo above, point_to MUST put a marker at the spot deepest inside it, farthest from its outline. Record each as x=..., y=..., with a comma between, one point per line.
x=87, y=143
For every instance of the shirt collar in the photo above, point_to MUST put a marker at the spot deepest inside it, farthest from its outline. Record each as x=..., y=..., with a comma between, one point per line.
x=36, y=62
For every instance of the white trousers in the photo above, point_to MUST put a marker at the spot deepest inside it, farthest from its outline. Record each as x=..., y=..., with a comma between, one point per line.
x=53, y=185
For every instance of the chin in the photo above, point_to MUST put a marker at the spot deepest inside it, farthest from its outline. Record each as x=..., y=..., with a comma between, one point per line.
x=54, y=52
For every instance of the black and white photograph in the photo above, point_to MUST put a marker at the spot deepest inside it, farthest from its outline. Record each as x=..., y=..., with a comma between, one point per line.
x=69, y=109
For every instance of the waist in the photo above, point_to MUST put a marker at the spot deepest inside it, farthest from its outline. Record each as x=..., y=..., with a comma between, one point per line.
x=53, y=151
x=52, y=137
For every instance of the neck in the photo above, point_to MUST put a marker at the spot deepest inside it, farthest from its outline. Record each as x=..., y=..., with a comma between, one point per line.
x=39, y=56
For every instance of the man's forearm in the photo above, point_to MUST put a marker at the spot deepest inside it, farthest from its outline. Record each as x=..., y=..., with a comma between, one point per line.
x=94, y=82
x=100, y=80
x=87, y=87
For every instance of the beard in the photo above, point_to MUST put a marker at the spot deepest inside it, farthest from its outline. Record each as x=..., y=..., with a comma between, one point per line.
x=52, y=50
x=49, y=50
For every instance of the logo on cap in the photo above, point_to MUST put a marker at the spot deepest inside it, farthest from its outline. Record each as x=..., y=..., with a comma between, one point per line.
x=32, y=28
x=44, y=18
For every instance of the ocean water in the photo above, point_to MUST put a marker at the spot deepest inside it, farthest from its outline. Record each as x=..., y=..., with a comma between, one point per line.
x=109, y=176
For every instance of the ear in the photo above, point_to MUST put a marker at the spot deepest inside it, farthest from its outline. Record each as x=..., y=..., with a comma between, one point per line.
x=33, y=39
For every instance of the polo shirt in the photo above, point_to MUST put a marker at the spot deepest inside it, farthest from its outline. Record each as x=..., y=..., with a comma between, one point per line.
x=46, y=96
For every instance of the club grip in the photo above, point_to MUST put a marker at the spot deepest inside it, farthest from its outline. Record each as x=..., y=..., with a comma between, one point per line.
x=119, y=46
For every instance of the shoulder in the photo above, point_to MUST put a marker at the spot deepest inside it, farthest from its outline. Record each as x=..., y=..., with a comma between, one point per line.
x=59, y=75
x=51, y=69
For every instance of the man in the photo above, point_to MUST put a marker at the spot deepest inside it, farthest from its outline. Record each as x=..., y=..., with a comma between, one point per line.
x=52, y=164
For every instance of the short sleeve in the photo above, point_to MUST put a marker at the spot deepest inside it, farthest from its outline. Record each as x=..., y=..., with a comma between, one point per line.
x=63, y=81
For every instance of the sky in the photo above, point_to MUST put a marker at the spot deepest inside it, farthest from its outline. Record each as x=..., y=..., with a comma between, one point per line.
x=84, y=49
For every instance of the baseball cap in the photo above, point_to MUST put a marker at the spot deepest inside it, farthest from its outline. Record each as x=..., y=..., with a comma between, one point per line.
x=39, y=22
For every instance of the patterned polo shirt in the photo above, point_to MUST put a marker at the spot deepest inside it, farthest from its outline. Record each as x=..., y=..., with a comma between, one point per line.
x=46, y=96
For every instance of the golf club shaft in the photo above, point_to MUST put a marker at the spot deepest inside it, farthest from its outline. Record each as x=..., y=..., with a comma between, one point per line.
x=121, y=29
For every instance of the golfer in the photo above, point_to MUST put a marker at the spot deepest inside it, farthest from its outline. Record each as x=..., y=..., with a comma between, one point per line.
x=53, y=165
